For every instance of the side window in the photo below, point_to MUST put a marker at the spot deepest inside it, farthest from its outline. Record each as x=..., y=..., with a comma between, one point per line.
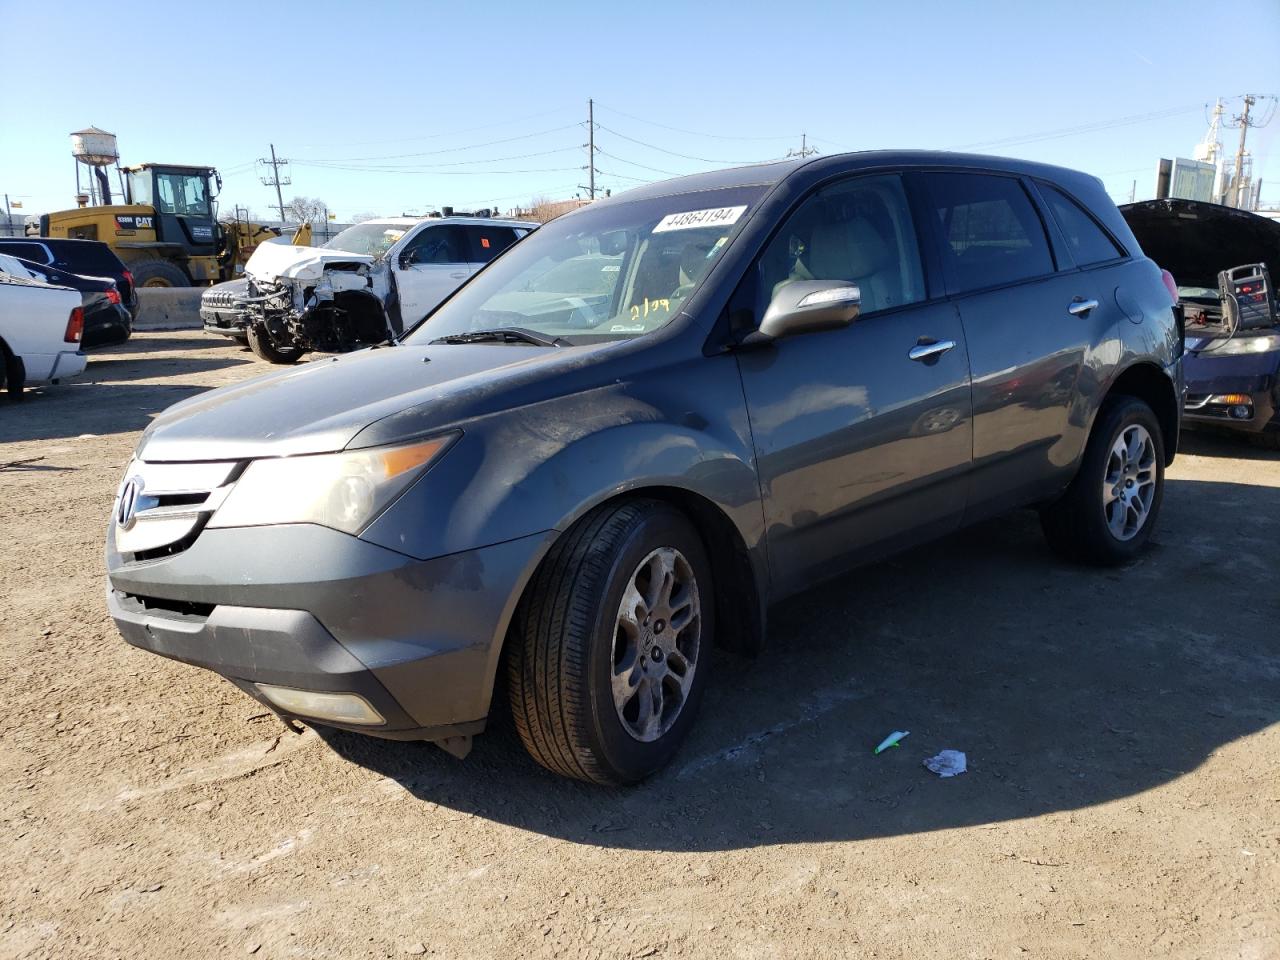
x=33, y=252
x=487, y=242
x=990, y=232
x=443, y=244
x=859, y=230
x=1088, y=242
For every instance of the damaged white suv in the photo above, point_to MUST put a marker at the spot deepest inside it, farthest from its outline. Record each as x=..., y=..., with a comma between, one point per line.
x=368, y=284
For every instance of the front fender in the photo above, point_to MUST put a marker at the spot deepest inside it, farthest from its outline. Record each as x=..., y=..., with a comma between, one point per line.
x=542, y=466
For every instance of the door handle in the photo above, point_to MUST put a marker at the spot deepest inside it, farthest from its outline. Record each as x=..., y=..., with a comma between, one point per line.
x=929, y=351
x=1081, y=307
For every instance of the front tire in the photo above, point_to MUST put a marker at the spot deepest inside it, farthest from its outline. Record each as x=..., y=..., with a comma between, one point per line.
x=1109, y=511
x=611, y=644
x=13, y=373
x=265, y=348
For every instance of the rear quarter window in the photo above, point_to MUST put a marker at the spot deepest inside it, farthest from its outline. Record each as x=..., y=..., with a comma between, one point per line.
x=32, y=252
x=94, y=258
x=1088, y=242
x=990, y=231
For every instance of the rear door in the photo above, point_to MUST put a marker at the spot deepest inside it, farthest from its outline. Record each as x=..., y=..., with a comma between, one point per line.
x=430, y=267
x=860, y=448
x=1031, y=328
x=485, y=242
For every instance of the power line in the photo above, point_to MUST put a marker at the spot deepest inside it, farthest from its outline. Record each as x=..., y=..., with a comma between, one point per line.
x=1091, y=127
x=696, y=133
x=437, y=136
x=337, y=165
x=682, y=156
x=432, y=153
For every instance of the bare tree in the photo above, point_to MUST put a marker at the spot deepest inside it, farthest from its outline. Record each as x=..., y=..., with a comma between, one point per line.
x=305, y=209
x=542, y=209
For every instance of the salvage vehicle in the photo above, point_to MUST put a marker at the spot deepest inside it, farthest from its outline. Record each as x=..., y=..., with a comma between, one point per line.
x=614, y=447
x=367, y=285
x=1227, y=262
x=106, y=319
x=40, y=328
x=86, y=258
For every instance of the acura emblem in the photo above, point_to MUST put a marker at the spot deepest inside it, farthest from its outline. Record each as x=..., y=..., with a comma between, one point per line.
x=130, y=493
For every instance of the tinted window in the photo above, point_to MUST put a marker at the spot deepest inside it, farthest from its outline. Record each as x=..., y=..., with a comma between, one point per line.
x=444, y=244
x=27, y=251
x=488, y=242
x=859, y=230
x=95, y=258
x=1087, y=241
x=991, y=233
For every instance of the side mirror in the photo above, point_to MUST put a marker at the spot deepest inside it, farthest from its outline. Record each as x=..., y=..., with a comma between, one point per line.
x=809, y=306
x=408, y=258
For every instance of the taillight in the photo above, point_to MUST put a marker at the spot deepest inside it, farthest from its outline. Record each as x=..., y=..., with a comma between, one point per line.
x=75, y=326
x=1170, y=285
x=113, y=295
x=128, y=278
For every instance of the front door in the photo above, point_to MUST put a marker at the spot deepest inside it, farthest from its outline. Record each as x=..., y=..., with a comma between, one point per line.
x=862, y=435
x=429, y=268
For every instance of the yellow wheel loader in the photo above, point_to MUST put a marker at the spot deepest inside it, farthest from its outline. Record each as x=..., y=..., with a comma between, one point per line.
x=166, y=232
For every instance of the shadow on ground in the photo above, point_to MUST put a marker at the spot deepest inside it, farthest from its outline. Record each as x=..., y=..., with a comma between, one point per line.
x=1239, y=446
x=1067, y=687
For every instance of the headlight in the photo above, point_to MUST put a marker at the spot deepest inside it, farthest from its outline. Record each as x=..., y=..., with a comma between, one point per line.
x=345, y=491
x=1238, y=345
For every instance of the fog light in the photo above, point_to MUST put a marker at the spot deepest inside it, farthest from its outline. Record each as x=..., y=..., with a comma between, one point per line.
x=1241, y=412
x=338, y=707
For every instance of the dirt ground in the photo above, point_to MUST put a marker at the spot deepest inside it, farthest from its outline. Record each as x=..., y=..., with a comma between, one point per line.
x=1121, y=727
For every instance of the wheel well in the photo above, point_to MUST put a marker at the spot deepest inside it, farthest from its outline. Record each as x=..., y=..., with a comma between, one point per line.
x=1150, y=384
x=740, y=610
x=369, y=320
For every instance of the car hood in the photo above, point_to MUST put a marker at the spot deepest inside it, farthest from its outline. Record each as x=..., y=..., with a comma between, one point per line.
x=276, y=261
x=1196, y=241
x=322, y=406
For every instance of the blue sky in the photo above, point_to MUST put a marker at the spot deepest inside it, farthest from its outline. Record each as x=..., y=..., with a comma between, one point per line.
x=391, y=107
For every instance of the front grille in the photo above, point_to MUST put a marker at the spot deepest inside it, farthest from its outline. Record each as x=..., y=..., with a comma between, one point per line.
x=179, y=609
x=166, y=505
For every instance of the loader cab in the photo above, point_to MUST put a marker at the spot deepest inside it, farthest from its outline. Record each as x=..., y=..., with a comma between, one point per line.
x=182, y=198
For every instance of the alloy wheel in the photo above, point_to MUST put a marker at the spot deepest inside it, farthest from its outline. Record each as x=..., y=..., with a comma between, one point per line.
x=1129, y=485
x=656, y=644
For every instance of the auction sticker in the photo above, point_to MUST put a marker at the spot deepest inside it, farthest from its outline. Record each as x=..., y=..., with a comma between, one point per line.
x=692, y=219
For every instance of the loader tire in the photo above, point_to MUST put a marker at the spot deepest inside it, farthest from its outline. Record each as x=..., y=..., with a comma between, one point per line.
x=159, y=273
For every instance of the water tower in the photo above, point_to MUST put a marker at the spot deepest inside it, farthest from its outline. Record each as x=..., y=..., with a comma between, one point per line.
x=95, y=149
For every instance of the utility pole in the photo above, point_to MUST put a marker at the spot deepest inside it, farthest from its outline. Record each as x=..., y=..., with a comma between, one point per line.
x=274, y=180
x=8, y=216
x=1133, y=190
x=591, y=151
x=1243, y=119
x=805, y=150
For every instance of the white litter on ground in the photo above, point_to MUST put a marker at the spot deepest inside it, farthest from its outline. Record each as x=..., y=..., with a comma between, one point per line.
x=948, y=763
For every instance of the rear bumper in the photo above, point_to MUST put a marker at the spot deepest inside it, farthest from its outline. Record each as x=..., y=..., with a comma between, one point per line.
x=42, y=368
x=306, y=607
x=108, y=324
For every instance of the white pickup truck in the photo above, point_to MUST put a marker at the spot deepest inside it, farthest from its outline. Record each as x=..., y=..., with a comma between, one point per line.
x=40, y=329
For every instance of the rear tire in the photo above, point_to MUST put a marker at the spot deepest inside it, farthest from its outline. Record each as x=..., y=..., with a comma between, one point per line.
x=1109, y=511
x=611, y=644
x=13, y=373
x=159, y=273
x=261, y=344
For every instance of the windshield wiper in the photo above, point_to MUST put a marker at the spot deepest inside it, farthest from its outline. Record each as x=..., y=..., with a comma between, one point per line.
x=505, y=335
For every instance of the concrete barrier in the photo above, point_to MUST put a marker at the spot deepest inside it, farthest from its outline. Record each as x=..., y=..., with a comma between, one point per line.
x=168, y=308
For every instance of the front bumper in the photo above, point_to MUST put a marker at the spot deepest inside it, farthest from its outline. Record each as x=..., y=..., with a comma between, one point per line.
x=1256, y=376
x=302, y=606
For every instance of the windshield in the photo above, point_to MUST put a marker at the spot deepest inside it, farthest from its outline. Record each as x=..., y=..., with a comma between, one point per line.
x=370, y=238
x=614, y=271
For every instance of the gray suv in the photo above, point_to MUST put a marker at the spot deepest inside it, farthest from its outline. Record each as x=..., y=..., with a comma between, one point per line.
x=617, y=444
